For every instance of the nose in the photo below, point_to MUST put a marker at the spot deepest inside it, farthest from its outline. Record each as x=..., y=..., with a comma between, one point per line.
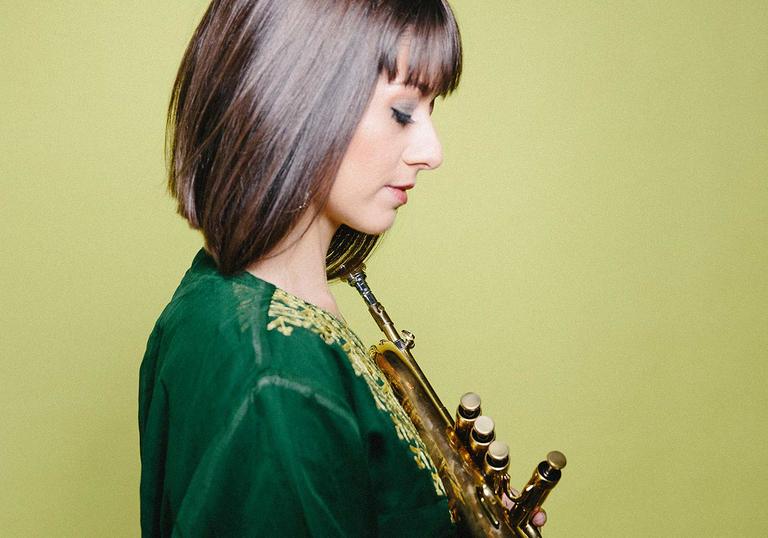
x=424, y=150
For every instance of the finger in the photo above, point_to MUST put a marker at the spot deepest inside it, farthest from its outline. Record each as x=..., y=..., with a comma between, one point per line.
x=539, y=518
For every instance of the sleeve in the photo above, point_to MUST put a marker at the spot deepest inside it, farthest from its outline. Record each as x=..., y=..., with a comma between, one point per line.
x=291, y=462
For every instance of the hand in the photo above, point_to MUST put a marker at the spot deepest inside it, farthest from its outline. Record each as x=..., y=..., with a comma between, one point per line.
x=539, y=515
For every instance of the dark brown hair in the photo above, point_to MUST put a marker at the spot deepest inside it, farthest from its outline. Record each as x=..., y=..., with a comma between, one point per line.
x=266, y=101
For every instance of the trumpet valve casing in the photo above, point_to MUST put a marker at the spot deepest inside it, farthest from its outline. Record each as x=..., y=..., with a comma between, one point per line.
x=545, y=477
x=480, y=438
x=495, y=467
x=466, y=414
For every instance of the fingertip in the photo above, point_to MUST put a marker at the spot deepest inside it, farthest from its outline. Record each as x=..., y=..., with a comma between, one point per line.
x=539, y=518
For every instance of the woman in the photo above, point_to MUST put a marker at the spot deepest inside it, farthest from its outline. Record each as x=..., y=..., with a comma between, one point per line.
x=296, y=128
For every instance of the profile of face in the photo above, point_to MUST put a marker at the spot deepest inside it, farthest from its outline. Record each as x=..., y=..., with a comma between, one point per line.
x=394, y=140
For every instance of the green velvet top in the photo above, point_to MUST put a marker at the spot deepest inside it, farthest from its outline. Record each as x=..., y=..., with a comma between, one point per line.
x=263, y=415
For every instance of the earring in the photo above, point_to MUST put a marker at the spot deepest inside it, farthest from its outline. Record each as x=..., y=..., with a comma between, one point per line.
x=304, y=204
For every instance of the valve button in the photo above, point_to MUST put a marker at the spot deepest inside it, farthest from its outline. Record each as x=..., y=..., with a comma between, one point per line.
x=498, y=454
x=469, y=406
x=556, y=459
x=483, y=428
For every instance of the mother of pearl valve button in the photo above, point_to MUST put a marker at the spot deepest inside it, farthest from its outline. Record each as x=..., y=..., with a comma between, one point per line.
x=498, y=454
x=470, y=405
x=483, y=428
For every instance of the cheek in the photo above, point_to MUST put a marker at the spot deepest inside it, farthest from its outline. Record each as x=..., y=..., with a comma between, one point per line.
x=376, y=143
x=371, y=161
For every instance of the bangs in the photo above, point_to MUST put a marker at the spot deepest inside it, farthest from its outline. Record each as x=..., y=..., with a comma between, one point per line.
x=429, y=30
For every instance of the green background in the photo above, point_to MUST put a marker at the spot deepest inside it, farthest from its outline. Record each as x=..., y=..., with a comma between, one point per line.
x=591, y=258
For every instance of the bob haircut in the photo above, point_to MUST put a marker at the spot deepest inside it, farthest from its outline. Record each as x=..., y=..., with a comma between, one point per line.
x=265, y=103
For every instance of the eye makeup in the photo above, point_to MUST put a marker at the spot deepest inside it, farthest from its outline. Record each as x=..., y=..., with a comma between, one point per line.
x=401, y=116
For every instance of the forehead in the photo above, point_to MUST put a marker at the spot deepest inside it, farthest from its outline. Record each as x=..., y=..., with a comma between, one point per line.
x=406, y=77
x=425, y=56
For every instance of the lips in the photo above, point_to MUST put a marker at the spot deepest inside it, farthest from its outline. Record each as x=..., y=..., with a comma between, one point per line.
x=399, y=192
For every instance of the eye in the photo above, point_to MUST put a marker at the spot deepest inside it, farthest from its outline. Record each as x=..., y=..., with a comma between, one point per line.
x=401, y=117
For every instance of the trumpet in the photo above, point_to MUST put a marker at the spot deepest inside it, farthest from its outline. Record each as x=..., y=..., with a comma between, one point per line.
x=472, y=464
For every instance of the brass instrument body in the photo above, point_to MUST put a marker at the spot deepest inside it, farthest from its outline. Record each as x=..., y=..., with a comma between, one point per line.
x=474, y=492
x=544, y=478
x=471, y=500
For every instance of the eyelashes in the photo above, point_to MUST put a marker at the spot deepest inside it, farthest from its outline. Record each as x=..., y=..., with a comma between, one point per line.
x=401, y=117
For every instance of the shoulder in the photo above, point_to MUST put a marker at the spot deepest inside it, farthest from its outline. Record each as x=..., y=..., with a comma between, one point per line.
x=246, y=327
x=211, y=314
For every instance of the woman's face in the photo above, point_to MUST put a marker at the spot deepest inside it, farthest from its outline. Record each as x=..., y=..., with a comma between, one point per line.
x=393, y=142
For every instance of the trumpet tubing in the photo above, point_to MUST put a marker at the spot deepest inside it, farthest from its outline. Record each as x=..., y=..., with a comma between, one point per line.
x=471, y=463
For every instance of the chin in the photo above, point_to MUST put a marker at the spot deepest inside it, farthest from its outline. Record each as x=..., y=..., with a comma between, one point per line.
x=374, y=226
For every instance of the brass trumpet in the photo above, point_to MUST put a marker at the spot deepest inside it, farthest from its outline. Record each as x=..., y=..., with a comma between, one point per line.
x=471, y=463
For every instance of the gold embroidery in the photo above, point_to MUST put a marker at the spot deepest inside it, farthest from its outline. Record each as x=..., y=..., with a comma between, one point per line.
x=287, y=311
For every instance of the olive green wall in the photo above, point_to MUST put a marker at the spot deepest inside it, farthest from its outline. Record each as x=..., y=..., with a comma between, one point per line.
x=591, y=258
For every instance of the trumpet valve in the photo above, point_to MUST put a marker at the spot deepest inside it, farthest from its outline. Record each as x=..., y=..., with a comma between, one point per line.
x=496, y=465
x=481, y=437
x=466, y=414
x=545, y=477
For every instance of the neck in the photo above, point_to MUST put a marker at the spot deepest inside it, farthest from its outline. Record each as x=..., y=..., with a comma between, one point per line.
x=297, y=263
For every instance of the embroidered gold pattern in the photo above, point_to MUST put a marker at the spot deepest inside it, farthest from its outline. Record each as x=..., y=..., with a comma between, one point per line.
x=287, y=311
